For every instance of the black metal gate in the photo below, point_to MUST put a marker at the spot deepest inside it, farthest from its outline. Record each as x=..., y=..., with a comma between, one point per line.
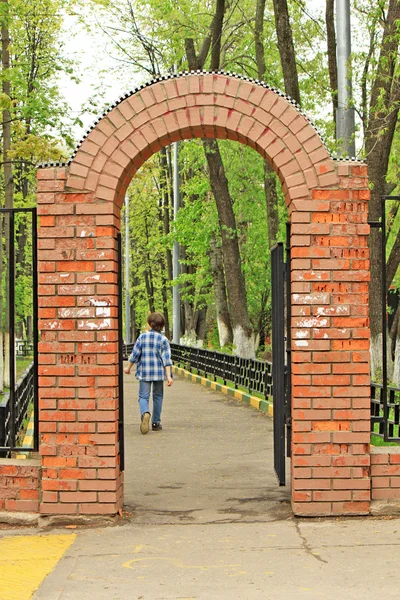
x=385, y=399
x=23, y=391
x=281, y=348
x=121, y=360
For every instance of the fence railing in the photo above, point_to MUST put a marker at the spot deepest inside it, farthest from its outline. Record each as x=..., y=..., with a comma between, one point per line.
x=24, y=394
x=385, y=412
x=253, y=375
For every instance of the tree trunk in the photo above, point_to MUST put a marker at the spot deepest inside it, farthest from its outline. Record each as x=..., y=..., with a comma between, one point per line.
x=29, y=329
x=8, y=176
x=221, y=302
x=150, y=290
x=379, y=137
x=1, y=308
x=259, y=39
x=164, y=294
x=271, y=196
x=331, y=47
x=286, y=49
x=271, y=200
x=201, y=326
x=243, y=336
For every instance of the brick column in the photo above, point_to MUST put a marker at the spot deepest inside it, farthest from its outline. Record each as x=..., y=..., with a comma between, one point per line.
x=78, y=350
x=331, y=409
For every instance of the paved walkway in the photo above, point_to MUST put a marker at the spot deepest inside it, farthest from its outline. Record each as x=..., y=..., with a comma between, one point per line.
x=212, y=463
x=208, y=521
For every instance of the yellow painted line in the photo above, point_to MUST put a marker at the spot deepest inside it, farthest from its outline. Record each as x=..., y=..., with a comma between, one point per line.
x=27, y=560
x=255, y=402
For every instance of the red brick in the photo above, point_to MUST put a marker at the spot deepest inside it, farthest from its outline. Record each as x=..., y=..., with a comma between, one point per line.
x=50, y=496
x=78, y=496
x=58, y=485
x=314, y=509
x=22, y=505
x=351, y=508
x=77, y=473
x=331, y=496
x=58, y=509
x=98, y=509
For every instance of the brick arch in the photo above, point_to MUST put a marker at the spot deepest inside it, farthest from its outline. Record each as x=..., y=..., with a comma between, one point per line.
x=79, y=208
x=213, y=105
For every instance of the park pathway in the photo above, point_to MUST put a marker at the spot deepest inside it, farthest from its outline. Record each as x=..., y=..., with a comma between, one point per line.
x=213, y=461
x=204, y=519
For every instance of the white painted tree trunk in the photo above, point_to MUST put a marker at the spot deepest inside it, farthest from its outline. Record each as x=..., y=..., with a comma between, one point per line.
x=396, y=369
x=376, y=358
x=390, y=362
x=224, y=333
x=243, y=343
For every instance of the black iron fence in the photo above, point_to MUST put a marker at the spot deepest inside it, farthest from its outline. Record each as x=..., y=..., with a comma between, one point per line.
x=19, y=282
x=248, y=373
x=385, y=412
x=23, y=398
x=385, y=399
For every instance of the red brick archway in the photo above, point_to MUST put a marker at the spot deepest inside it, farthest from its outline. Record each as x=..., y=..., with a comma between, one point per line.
x=79, y=207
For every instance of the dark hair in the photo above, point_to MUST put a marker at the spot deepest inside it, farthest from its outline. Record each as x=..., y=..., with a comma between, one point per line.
x=156, y=321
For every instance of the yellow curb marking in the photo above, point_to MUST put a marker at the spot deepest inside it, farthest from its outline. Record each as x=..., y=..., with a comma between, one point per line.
x=28, y=439
x=255, y=402
x=27, y=560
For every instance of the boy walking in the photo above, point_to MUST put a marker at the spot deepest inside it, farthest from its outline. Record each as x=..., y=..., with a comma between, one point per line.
x=152, y=355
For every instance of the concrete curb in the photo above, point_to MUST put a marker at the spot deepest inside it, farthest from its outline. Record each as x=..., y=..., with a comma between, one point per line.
x=257, y=403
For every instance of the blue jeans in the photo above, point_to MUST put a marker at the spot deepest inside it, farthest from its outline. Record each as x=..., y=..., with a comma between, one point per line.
x=144, y=397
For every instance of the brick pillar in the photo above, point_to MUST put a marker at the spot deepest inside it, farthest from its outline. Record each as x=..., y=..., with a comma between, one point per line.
x=331, y=409
x=78, y=350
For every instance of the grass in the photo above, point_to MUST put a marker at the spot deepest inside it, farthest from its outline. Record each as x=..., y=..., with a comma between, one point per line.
x=22, y=365
x=377, y=441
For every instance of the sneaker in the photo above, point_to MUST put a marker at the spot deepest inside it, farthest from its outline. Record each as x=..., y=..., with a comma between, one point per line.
x=144, y=425
x=156, y=426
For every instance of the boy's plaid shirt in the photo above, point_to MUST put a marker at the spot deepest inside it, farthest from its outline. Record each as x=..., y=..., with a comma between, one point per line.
x=151, y=353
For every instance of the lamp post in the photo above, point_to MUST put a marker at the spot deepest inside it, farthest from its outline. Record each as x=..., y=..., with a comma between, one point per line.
x=128, y=327
x=345, y=121
x=176, y=301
